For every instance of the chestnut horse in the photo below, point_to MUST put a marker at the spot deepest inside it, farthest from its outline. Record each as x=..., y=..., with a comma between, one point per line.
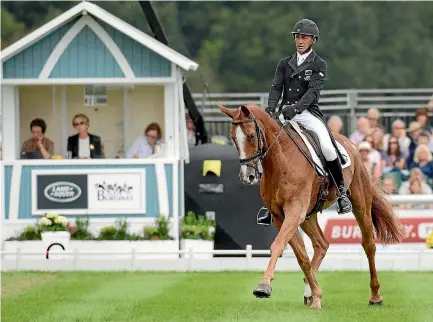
x=289, y=188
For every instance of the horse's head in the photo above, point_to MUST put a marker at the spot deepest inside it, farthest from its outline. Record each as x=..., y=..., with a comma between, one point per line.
x=249, y=140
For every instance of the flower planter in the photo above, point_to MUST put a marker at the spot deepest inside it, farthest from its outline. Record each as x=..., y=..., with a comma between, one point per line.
x=56, y=237
x=198, y=245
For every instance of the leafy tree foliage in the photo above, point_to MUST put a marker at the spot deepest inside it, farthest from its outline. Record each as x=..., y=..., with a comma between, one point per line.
x=238, y=44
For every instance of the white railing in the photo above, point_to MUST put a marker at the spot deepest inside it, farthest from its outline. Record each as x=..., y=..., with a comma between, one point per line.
x=411, y=199
x=336, y=259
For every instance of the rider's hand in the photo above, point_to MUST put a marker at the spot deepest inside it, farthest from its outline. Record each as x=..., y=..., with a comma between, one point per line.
x=270, y=110
x=290, y=112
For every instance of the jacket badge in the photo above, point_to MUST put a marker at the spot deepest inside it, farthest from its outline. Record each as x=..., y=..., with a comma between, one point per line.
x=308, y=72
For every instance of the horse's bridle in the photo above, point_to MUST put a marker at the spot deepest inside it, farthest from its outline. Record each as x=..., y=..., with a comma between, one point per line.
x=261, y=153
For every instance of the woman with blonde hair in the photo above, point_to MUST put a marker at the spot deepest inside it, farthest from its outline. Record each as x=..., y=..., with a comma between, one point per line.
x=422, y=159
x=84, y=145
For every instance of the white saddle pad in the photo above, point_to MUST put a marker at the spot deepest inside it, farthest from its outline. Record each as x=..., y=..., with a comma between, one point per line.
x=316, y=159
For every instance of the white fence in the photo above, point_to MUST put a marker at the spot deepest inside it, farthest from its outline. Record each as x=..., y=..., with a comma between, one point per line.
x=336, y=260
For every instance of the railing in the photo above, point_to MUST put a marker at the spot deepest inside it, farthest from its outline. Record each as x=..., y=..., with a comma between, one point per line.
x=336, y=259
x=411, y=199
x=348, y=104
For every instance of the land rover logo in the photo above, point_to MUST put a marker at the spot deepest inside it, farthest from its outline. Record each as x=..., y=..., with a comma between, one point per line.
x=62, y=191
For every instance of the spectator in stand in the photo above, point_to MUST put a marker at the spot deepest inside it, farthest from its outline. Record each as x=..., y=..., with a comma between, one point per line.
x=373, y=168
x=39, y=142
x=416, y=188
x=422, y=159
x=415, y=174
x=378, y=139
x=424, y=138
x=373, y=116
x=389, y=186
x=398, y=131
x=414, y=130
x=145, y=146
x=335, y=124
x=422, y=118
x=373, y=155
x=84, y=145
x=190, y=127
x=392, y=157
x=363, y=128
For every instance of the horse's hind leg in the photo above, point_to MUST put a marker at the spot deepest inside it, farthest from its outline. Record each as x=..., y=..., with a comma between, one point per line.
x=361, y=198
x=298, y=247
x=320, y=245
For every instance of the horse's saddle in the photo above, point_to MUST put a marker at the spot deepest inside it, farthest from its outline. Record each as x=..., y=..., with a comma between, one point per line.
x=312, y=142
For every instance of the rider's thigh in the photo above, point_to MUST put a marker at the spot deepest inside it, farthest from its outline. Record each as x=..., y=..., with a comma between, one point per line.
x=312, y=123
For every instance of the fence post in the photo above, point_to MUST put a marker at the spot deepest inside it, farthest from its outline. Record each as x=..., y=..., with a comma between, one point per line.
x=249, y=255
x=420, y=258
x=190, y=258
x=18, y=259
x=133, y=258
x=352, y=104
x=75, y=258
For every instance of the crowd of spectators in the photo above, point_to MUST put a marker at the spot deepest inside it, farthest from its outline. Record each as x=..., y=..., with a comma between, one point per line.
x=401, y=161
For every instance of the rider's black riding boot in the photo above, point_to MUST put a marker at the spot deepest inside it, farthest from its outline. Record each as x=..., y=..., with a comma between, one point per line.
x=344, y=204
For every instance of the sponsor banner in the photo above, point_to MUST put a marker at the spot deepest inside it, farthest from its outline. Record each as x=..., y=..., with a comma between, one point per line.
x=61, y=192
x=116, y=191
x=347, y=231
x=92, y=191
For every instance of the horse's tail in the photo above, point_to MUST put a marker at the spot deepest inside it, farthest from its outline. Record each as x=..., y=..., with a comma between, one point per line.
x=389, y=229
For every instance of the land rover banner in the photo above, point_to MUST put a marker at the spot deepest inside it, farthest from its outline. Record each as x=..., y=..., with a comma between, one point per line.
x=89, y=191
x=61, y=192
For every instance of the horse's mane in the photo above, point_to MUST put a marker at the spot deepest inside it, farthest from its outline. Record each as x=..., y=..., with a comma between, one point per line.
x=261, y=115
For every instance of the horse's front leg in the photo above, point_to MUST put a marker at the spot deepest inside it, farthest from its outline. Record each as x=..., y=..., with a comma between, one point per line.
x=293, y=213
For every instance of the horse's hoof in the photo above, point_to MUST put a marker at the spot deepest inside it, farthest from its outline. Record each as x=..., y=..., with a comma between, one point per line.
x=317, y=305
x=380, y=303
x=308, y=300
x=263, y=291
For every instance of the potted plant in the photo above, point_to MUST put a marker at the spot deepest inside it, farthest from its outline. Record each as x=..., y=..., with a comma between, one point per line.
x=54, y=229
x=197, y=233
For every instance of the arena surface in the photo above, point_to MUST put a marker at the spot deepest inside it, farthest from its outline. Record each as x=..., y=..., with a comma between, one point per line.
x=223, y=296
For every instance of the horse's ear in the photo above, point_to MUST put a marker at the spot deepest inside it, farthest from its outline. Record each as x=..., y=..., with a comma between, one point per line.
x=226, y=111
x=245, y=110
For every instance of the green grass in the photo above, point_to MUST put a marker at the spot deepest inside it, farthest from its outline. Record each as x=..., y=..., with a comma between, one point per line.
x=225, y=296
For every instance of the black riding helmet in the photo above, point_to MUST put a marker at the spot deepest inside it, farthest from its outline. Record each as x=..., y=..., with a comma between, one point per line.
x=306, y=27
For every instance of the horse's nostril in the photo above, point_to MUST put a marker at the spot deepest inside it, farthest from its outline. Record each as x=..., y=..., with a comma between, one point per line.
x=251, y=177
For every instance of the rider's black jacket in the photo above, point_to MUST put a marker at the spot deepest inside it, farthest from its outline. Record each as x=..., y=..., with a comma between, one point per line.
x=301, y=84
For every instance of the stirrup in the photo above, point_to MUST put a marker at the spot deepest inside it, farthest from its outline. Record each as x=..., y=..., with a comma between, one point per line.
x=264, y=217
x=344, y=205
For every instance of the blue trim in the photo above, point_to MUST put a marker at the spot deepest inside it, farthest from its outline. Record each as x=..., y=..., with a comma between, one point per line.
x=7, y=192
x=169, y=179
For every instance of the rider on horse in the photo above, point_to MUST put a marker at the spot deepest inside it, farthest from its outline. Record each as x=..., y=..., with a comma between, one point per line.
x=302, y=76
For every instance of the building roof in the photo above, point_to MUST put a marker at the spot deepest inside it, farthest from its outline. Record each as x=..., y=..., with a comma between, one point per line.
x=84, y=8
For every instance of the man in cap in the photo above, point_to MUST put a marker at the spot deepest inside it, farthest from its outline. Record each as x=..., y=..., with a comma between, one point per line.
x=300, y=78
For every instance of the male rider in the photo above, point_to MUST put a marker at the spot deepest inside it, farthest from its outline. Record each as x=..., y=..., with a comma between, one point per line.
x=302, y=76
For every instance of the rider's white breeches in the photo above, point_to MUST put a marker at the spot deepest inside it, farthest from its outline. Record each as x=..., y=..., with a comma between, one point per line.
x=312, y=123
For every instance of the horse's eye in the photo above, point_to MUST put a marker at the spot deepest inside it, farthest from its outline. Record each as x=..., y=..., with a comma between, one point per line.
x=251, y=136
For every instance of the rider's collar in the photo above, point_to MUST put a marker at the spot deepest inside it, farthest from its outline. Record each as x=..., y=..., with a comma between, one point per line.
x=303, y=57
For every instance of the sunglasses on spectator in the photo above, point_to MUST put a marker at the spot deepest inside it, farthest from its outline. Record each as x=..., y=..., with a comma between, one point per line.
x=151, y=136
x=393, y=142
x=80, y=123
